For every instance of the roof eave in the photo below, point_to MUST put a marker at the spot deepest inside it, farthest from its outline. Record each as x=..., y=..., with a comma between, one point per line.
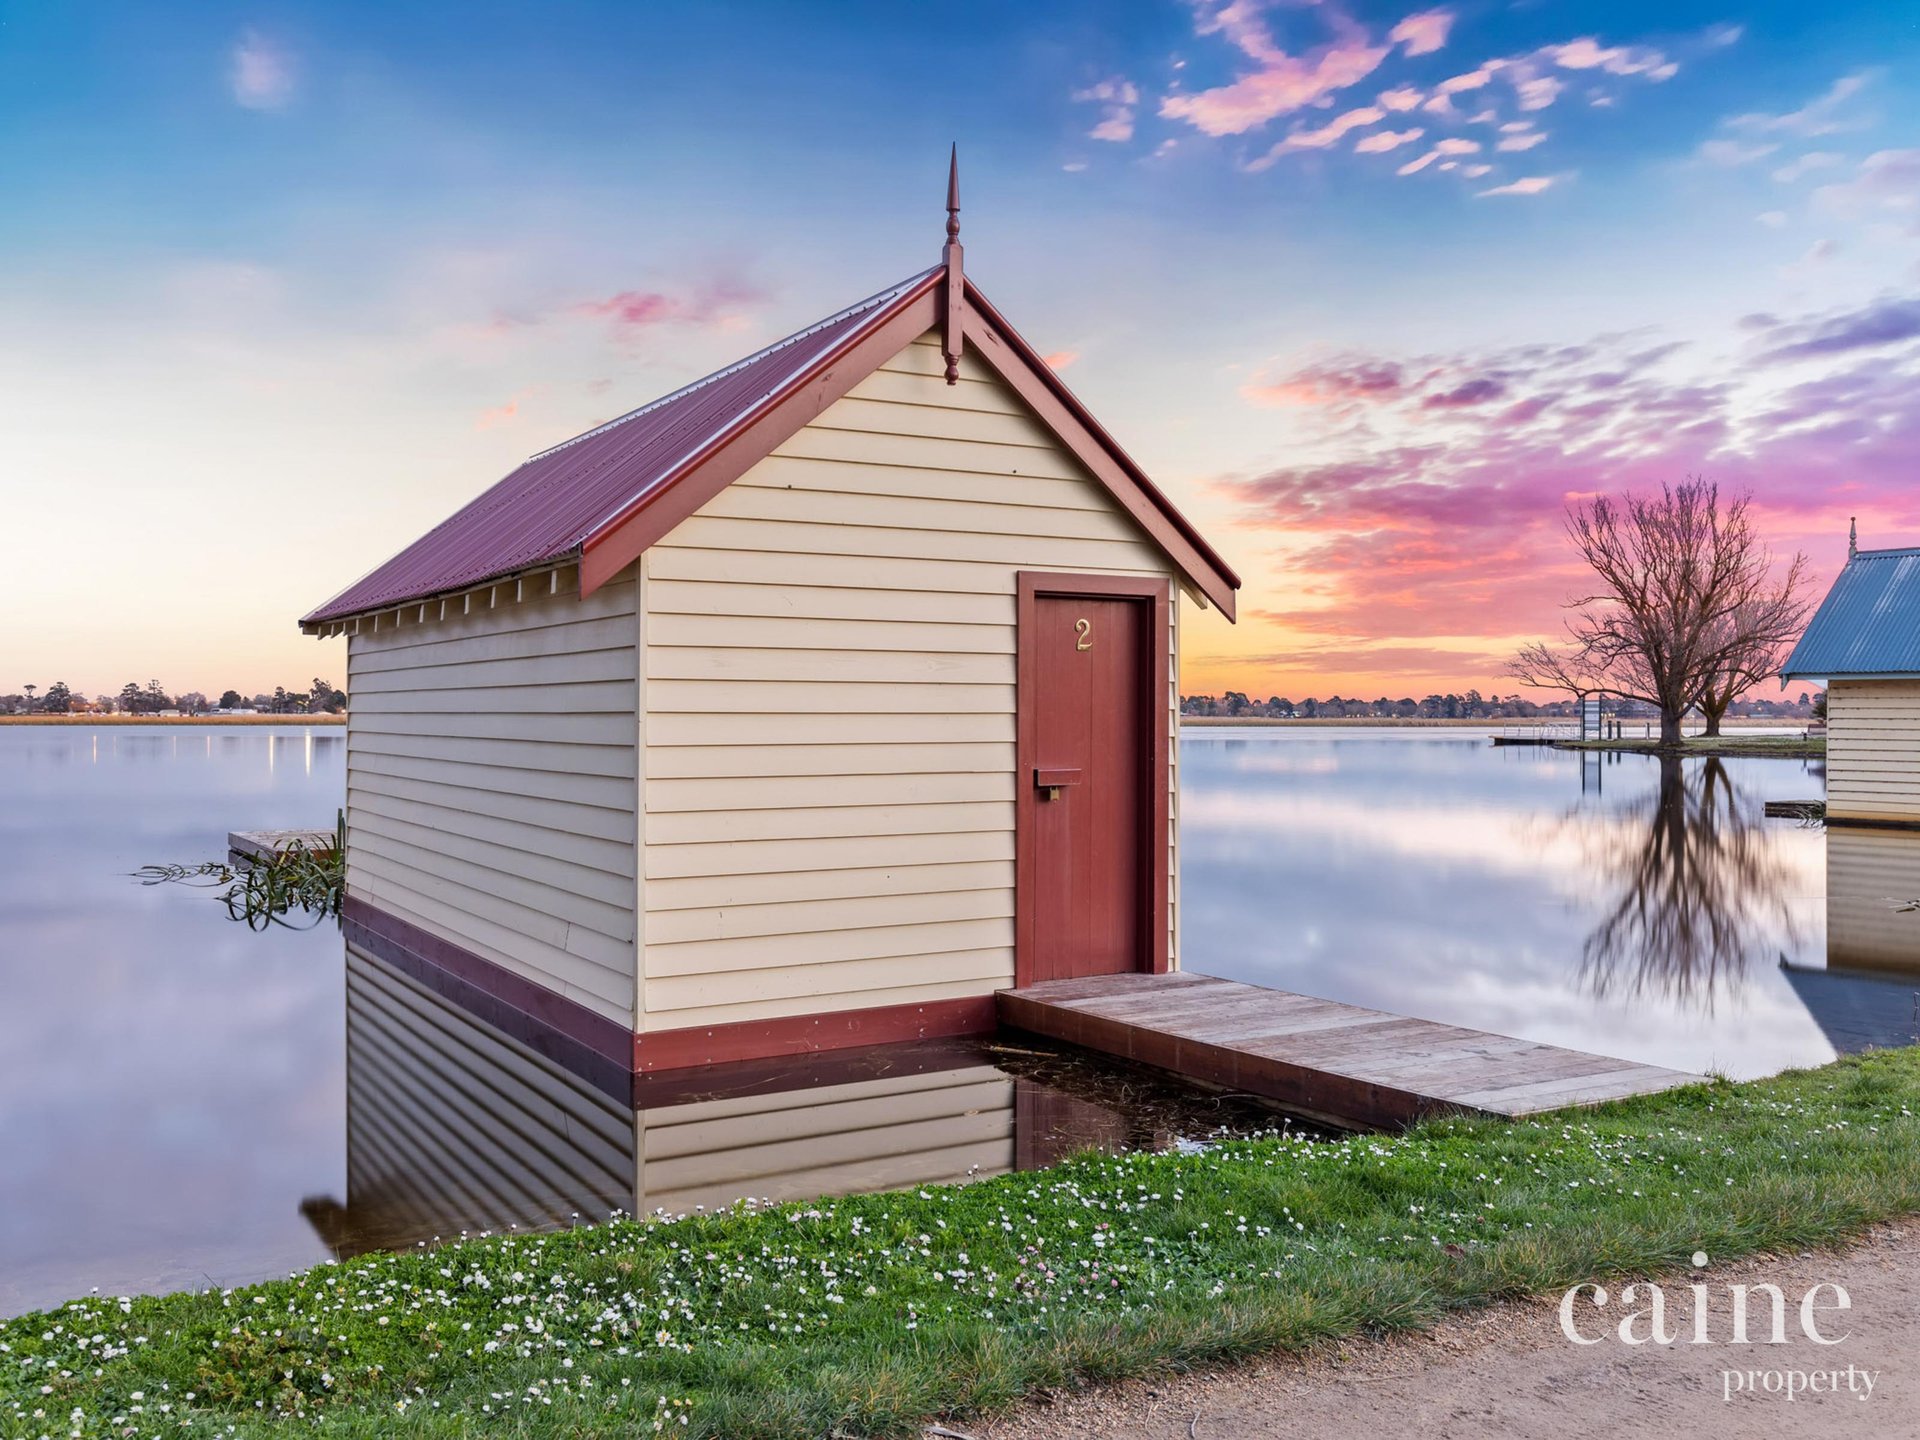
x=1802, y=674
x=322, y=620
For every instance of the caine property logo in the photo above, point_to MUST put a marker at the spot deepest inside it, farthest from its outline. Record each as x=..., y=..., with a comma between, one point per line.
x=1741, y=1315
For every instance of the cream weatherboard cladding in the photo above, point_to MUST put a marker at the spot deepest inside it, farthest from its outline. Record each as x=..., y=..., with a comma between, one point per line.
x=827, y=756
x=490, y=782
x=1873, y=749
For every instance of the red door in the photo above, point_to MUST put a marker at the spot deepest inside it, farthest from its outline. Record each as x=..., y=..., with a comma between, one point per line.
x=1093, y=835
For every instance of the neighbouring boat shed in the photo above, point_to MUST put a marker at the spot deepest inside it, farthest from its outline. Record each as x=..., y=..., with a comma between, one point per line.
x=1864, y=641
x=805, y=707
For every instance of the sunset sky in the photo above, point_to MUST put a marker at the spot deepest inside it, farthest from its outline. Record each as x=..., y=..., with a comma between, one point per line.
x=1371, y=291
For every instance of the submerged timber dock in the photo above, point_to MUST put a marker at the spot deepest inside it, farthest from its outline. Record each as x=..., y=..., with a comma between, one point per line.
x=1337, y=1064
x=271, y=845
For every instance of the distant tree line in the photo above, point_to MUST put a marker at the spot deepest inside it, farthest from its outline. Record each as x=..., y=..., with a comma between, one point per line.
x=321, y=697
x=1470, y=706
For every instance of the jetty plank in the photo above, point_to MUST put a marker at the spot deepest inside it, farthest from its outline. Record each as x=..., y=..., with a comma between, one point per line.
x=1343, y=1065
x=272, y=844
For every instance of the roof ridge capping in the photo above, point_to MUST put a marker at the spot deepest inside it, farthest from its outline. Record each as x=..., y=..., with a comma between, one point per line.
x=859, y=307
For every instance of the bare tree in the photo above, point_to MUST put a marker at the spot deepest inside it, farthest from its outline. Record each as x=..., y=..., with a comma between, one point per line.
x=1685, y=598
x=1758, y=635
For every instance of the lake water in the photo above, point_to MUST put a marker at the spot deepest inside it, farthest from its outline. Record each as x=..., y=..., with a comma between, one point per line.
x=1592, y=901
x=185, y=1102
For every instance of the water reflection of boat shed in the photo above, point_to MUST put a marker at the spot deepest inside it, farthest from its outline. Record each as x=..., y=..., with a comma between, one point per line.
x=455, y=1126
x=1868, y=994
x=1864, y=641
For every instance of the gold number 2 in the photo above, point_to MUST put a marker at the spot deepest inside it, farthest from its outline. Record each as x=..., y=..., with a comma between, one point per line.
x=1084, y=629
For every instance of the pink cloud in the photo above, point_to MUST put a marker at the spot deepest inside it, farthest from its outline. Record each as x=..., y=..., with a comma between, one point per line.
x=1282, y=83
x=1332, y=382
x=1441, y=149
x=1589, y=54
x=1537, y=92
x=1423, y=33
x=1472, y=80
x=1530, y=185
x=1383, y=140
x=1478, y=391
x=1401, y=97
x=1317, y=657
x=630, y=312
x=496, y=417
x=1061, y=359
x=1441, y=515
x=1890, y=320
x=1322, y=137
x=1524, y=140
x=1116, y=97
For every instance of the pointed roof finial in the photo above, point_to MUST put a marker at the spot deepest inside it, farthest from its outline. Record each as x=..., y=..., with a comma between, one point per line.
x=954, y=289
x=953, y=195
x=1853, y=536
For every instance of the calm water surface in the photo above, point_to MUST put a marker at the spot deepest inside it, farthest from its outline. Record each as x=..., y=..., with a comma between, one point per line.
x=185, y=1102
x=1605, y=903
x=170, y=1083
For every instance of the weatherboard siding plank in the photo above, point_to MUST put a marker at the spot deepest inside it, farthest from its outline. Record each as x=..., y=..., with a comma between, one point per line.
x=670, y=1015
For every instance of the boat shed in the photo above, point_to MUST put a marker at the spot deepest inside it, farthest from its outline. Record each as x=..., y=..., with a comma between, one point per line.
x=806, y=707
x=1864, y=641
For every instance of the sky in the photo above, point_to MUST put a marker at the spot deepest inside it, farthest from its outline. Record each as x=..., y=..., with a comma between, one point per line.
x=1373, y=291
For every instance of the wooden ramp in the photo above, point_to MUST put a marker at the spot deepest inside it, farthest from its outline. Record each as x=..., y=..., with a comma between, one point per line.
x=1337, y=1064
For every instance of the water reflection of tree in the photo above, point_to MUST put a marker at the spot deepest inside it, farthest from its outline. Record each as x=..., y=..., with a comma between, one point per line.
x=1697, y=887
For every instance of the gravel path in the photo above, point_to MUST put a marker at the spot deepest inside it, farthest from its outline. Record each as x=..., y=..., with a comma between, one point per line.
x=1510, y=1371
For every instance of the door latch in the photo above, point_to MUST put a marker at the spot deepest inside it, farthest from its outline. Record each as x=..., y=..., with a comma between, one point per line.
x=1050, y=782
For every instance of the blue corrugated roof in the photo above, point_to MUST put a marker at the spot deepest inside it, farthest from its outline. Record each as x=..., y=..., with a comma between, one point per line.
x=1869, y=624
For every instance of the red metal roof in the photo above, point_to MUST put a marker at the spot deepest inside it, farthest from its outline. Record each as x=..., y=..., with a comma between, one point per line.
x=545, y=510
x=577, y=495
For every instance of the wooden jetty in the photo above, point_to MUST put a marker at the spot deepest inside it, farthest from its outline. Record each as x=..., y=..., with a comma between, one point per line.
x=270, y=845
x=1337, y=1064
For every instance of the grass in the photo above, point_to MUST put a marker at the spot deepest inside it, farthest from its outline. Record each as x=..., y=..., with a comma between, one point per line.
x=1790, y=746
x=865, y=1316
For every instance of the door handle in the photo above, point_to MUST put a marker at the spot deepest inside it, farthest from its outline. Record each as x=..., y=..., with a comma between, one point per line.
x=1049, y=781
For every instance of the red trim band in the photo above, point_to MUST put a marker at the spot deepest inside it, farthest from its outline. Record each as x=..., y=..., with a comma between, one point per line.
x=661, y=1050
x=593, y=1046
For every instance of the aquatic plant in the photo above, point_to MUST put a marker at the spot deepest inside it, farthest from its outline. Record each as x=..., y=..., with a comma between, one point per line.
x=300, y=881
